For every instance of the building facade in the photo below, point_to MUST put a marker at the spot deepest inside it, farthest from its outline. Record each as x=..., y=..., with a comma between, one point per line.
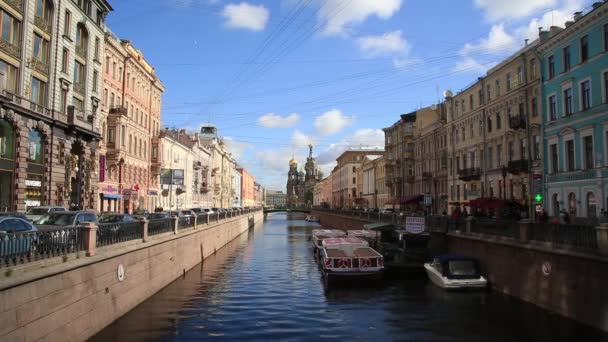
x=237, y=185
x=494, y=132
x=131, y=103
x=222, y=168
x=177, y=160
x=575, y=114
x=399, y=147
x=344, y=177
x=259, y=194
x=247, y=189
x=276, y=198
x=300, y=184
x=50, y=92
x=430, y=156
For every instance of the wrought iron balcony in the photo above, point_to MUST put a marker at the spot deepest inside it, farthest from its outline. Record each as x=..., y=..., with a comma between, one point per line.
x=81, y=51
x=39, y=66
x=119, y=110
x=79, y=88
x=574, y=176
x=468, y=174
x=10, y=48
x=78, y=118
x=517, y=121
x=43, y=24
x=517, y=166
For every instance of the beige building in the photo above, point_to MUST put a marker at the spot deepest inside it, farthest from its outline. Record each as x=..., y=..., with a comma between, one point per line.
x=322, y=196
x=399, y=147
x=382, y=196
x=372, y=191
x=430, y=156
x=344, y=178
x=494, y=133
x=130, y=115
x=177, y=156
x=222, y=169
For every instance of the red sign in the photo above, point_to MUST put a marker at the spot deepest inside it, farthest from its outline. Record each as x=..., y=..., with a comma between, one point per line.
x=136, y=187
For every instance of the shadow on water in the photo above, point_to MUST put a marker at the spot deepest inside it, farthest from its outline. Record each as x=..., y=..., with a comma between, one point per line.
x=267, y=285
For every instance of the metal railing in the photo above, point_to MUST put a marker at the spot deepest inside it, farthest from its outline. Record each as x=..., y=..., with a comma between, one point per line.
x=111, y=233
x=576, y=236
x=185, y=222
x=18, y=248
x=489, y=226
x=201, y=219
x=160, y=226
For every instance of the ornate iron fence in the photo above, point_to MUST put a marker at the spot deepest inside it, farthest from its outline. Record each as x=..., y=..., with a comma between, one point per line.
x=201, y=219
x=111, y=233
x=19, y=248
x=506, y=228
x=185, y=222
x=160, y=226
x=576, y=236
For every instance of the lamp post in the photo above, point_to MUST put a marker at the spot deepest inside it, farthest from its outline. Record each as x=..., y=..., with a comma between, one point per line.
x=504, y=182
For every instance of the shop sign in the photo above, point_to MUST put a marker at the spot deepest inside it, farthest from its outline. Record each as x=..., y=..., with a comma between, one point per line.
x=108, y=189
x=33, y=183
x=414, y=225
x=32, y=203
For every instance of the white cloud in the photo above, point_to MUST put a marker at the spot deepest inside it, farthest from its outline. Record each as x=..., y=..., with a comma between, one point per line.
x=367, y=138
x=339, y=16
x=469, y=64
x=301, y=140
x=495, y=10
x=272, y=120
x=498, y=41
x=237, y=148
x=404, y=63
x=332, y=122
x=390, y=42
x=246, y=16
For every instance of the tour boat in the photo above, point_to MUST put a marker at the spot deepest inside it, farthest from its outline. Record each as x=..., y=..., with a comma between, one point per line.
x=362, y=234
x=311, y=218
x=318, y=235
x=455, y=272
x=350, y=257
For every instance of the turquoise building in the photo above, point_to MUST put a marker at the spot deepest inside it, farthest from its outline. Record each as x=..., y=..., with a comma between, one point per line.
x=574, y=64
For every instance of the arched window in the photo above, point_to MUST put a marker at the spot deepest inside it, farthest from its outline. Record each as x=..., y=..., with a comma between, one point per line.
x=82, y=40
x=591, y=205
x=44, y=10
x=572, y=204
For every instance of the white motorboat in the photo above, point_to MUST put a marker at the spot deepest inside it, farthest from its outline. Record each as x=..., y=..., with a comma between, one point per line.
x=318, y=235
x=350, y=257
x=455, y=272
x=312, y=218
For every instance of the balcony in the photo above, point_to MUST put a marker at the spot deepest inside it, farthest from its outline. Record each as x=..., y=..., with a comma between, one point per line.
x=410, y=179
x=155, y=168
x=78, y=118
x=427, y=175
x=79, y=88
x=39, y=66
x=81, y=51
x=43, y=24
x=473, y=193
x=517, y=121
x=119, y=110
x=517, y=166
x=28, y=104
x=468, y=174
x=16, y=4
x=573, y=176
x=10, y=48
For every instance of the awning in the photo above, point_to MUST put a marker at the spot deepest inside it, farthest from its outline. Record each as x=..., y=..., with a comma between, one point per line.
x=380, y=226
x=116, y=196
x=406, y=200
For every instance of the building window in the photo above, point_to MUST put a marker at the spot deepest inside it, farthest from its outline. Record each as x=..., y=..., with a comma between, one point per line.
x=511, y=147
x=536, y=151
x=38, y=91
x=605, y=37
x=551, y=63
x=584, y=48
x=123, y=133
x=523, y=145
x=568, y=101
x=471, y=102
x=566, y=56
x=96, y=48
x=591, y=205
x=10, y=78
x=586, y=95
x=82, y=39
x=41, y=49
x=499, y=152
x=67, y=23
x=78, y=104
x=534, y=105
x=588, y=145
x=471, y=131
x=95, y=80
x=111, y=135
x=489, y=92
x=570, y=154
x=489, y=123
x=554, y=160
x=65, y=60
x=79, y=73
x=10, y=28
x=520, y=75
x=490, y=157
x=480, y=97
x=552, y=108
x=99, y=18
x=498, y=121
x=509, y=82
x=354, y=180
x=497, y=87
x=63, y=100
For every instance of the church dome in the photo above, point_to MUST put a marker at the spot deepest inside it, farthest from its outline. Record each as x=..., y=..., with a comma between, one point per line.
x=293, y=162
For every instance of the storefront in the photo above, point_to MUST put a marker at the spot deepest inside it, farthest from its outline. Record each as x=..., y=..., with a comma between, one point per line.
x=34, y=183
x=7, y=165
x=109, y=198
x=153, y=202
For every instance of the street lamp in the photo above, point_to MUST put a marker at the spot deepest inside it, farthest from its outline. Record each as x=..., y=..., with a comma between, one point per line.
x=504, y=182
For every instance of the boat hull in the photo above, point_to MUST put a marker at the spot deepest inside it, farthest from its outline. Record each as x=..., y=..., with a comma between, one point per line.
x=453, y=284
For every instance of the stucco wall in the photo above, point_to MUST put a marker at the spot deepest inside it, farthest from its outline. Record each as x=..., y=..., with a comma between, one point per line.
x=573, y=287
x=86, y=296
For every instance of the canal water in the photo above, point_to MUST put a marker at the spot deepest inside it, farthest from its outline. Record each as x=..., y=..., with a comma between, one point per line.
x=266, y=285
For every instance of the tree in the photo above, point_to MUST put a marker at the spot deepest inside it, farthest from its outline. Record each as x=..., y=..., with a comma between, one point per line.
x=308, y=197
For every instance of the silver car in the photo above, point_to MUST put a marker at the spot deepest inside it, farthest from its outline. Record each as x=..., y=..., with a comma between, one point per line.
x=35, y=213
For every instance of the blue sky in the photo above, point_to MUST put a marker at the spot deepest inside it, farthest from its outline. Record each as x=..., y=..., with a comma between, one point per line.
x=277, y=75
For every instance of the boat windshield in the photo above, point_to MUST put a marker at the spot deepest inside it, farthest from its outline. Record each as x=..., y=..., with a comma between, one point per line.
x=462, y=267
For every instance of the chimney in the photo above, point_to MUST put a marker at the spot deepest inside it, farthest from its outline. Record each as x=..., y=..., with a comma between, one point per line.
x=526, y=42
x=543, y=35
x=553, y=30
x=578, y=15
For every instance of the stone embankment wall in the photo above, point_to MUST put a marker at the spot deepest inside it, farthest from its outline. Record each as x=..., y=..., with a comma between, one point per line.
x=74, y=300
x=333, y=221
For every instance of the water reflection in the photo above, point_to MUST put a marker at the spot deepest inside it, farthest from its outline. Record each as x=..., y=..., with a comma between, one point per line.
x=267, y=286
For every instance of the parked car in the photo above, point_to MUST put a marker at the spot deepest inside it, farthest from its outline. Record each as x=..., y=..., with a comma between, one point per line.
x=16, y=247
x=13, y=214
x=116, y=218
x=157, y=216
x=208, y=210
x=188, y=213
x=34, y=213
x=140, y=214
x=68, y=219
x=197, y=211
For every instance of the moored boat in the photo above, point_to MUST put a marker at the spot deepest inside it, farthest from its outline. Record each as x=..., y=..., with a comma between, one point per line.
x=311, y=218
x=350, y=257
x=318, y=235
x=455, y=272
